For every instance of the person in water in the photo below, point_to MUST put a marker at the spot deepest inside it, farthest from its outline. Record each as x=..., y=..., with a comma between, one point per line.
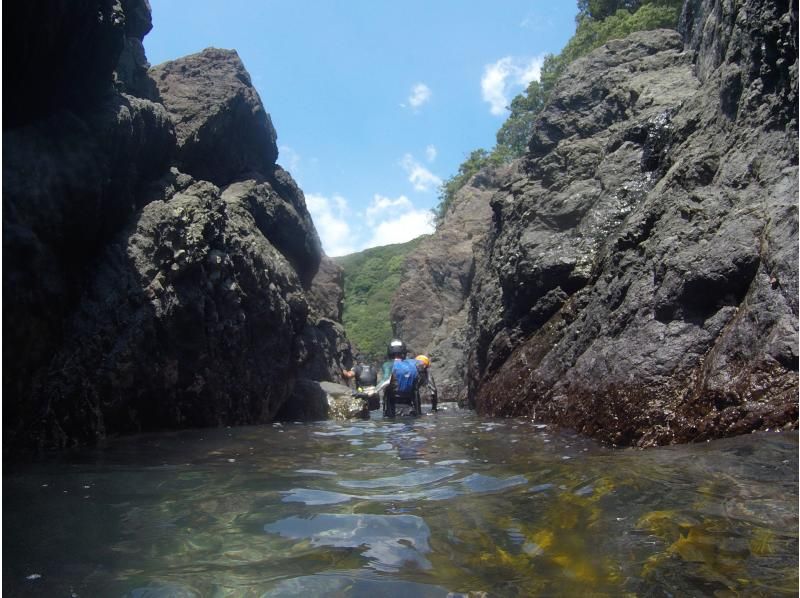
x=365, y=375
x=426, y=381
x=400, y=380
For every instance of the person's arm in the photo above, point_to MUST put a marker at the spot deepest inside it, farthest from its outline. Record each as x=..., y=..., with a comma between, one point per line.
x=348, y=373
x=432, y=385
x=386, y=375
x=434, y=393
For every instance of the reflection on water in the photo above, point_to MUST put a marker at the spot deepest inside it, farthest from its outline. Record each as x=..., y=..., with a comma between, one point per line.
x=391, y=540
x=446, y=505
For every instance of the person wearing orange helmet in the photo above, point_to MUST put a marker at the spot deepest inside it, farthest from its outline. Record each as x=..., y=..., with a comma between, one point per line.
x=426, y=380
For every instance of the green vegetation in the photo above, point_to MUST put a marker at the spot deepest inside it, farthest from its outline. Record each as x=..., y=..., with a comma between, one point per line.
x=598, y=21
x=371, y=278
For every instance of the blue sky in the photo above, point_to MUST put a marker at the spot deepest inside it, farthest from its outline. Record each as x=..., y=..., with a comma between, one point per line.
x=375, y=102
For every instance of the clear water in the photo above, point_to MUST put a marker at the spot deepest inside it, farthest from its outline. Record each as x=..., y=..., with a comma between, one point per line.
x=446, y=505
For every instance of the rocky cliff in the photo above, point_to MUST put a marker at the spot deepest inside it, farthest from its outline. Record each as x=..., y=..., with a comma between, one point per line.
x=429, y=308
x=157, y=261
x=638, y=278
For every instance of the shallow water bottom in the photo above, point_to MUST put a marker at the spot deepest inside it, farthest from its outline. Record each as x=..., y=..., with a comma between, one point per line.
x=448, y=504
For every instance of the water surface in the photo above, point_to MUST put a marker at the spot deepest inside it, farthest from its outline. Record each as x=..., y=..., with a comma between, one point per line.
x=448, y=504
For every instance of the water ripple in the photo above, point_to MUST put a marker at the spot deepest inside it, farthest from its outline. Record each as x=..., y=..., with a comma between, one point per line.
x=390, y=540
x=413, y=478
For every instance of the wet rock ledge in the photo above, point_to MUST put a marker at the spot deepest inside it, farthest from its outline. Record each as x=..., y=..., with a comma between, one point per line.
x=158, y=264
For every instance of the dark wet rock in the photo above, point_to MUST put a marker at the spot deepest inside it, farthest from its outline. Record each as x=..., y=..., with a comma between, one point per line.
x=131, y=74
x=71, y=181
x=222, y=128
x=429, y=308
x=314, y=400
x=640, y=280
x=308, y=402
x=323, y=351
x=64, y=55
x=326, y=295
x=279, y=209
x=137, y=296
x=185, y=324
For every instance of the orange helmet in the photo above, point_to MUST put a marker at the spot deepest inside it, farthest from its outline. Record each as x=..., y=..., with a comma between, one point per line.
x=424, y=359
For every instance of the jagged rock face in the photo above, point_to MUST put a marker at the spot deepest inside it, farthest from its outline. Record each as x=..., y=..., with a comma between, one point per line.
x=640, y=283
x=77, y=153
x=131, y=70
x=138, y=297
x=186, y=323
x=225, y=136
x=428, y=309
x=327, y=290
x=323, y=349
x=280, y=213
x=216, y=112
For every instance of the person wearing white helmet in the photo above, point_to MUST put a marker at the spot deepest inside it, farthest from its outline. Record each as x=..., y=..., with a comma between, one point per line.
x=400, y=380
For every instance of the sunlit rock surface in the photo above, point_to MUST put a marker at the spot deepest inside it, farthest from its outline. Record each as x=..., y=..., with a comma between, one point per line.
x=637, y=280
x=640, y=282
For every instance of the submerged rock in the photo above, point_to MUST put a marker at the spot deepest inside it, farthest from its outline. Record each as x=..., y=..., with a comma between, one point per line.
x=313, y=400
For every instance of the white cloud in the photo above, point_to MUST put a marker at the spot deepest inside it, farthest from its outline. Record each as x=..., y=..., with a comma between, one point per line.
x=420, y=94
x=506, y=76
x=330, y=216
x=382, y=205
x=419, y=176
x=404, y=227
x=430, y=153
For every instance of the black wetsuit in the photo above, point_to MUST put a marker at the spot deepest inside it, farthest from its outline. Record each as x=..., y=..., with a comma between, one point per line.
x=365, y=375
x=426, y=381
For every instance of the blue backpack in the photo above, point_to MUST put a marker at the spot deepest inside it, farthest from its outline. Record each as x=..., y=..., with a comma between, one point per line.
x=405, y=375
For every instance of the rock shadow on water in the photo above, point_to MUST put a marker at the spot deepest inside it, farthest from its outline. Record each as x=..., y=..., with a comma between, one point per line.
x=389, y=541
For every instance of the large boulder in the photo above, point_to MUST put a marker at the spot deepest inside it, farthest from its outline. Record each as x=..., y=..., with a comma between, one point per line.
x=222, y=128
x=77, y=154
x=280, y=213
x=313, y=400
x=139, y=297
x=640, y=281
x=186, y=323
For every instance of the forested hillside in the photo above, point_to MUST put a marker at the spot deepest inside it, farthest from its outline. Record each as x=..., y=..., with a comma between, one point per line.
x=371, y=278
